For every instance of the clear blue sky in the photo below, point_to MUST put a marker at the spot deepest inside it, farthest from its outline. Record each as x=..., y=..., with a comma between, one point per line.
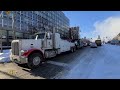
x=86, y=19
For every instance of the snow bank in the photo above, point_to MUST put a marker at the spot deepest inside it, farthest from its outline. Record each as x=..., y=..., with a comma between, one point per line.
x=4, y=57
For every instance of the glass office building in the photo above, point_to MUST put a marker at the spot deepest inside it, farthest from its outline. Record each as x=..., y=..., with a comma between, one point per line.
x=32, y=20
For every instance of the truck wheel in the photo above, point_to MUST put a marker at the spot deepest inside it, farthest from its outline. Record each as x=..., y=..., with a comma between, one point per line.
x=72, y=50
x=34, y=60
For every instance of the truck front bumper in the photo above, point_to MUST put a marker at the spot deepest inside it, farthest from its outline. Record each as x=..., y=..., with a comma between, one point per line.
x=19, y=59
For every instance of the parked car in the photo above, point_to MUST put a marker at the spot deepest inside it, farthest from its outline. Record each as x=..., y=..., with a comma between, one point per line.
x=93, y=45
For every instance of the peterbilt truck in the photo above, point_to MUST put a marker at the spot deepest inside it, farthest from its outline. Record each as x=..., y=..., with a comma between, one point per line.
x=35, y=51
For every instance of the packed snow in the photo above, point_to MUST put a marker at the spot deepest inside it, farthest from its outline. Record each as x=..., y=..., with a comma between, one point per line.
x=4, y=57
x=99, y=63
x=109, y=66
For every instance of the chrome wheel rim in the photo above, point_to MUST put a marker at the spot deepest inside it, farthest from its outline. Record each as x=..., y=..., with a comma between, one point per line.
x=36, y=61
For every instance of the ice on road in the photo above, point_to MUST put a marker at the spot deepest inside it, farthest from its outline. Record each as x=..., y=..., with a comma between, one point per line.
x=98, y=63
x=4, y=57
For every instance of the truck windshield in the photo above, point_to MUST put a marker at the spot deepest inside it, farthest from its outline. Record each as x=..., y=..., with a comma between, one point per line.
x=40, y=36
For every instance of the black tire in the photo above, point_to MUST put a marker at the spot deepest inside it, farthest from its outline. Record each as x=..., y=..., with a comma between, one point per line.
x=31, y=60
x=72, y=50
x=76, y=47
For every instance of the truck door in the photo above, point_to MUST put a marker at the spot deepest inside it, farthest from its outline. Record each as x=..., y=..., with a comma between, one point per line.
x=49, y=40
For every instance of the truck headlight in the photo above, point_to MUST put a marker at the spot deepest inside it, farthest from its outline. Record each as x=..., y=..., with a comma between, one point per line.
x=22, y=51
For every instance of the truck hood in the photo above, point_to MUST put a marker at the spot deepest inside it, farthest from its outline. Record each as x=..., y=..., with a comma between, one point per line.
x=26, y=44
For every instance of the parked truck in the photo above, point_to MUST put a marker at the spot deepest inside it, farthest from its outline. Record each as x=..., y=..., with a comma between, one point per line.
x=98, y=42
x=79, y=44
x=35, y=51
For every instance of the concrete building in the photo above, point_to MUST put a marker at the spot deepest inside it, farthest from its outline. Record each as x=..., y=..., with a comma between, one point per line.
x=117, y=37
x=32, y=20
x=116, y=40
x=74, y=32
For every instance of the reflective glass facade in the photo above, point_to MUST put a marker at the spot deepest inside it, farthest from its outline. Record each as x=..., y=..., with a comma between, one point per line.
x=26, y=20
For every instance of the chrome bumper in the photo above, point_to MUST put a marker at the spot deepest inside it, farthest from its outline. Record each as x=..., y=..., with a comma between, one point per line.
x=18, y=59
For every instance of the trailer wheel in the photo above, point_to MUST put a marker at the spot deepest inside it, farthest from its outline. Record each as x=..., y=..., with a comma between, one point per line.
x=34, y=60
x=72, y=49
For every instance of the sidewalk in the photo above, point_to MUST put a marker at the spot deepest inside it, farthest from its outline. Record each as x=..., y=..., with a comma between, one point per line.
x=4, y=57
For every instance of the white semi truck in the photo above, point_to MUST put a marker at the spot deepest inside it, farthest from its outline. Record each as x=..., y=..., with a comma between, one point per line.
x=34, y=51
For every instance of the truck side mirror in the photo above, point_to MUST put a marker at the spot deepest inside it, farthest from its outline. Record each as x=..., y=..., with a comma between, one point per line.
x=36, y=37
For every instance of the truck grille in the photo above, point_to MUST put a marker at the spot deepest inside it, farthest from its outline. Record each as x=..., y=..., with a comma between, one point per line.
x=15, y=48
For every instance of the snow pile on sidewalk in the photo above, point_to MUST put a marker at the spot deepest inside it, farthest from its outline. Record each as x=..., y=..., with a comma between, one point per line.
x=4, y=57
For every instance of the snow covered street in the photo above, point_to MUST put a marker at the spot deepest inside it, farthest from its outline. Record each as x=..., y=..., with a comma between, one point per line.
x=87, y=63
x=4, y=57
x=99, y=63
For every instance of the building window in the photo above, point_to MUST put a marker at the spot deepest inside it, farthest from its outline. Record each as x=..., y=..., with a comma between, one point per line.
x=5, y=22
x=19, y=35
x=3, y=32
x=9, y=22
x=0, y=21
